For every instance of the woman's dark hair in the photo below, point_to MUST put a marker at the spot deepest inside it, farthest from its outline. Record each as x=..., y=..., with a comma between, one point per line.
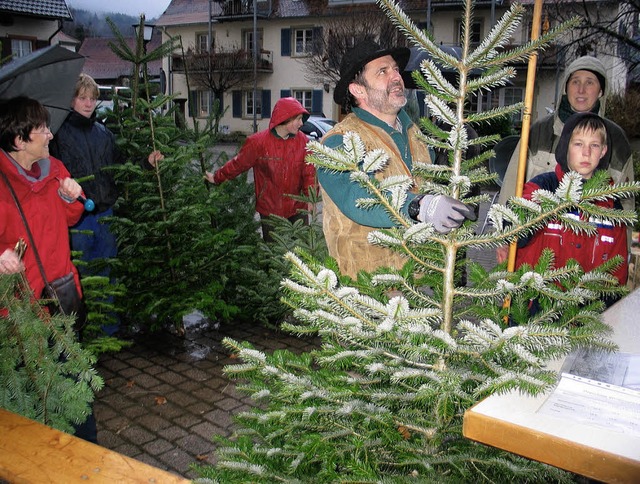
x=18, y=117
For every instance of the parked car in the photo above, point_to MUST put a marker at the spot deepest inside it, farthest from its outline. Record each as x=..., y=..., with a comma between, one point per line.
x=316, y=127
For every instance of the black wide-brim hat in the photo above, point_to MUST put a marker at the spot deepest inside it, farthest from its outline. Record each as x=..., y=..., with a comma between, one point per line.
x=355, y=60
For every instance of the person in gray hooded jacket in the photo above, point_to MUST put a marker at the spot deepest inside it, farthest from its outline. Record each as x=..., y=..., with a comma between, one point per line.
x=584, y=90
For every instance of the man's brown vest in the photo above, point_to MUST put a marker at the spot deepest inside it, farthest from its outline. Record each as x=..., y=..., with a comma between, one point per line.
x=347, y=240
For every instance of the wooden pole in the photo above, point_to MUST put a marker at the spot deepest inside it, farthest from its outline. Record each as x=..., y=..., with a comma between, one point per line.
x=526, y=124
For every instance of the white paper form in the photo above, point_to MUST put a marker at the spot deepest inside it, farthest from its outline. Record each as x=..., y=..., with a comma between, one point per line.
x=595, y=403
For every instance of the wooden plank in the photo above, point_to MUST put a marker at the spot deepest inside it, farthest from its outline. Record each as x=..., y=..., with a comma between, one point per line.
x=32, y=452
x=543, y=446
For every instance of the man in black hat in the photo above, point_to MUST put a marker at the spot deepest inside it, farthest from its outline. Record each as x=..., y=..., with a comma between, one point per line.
x=372, y=90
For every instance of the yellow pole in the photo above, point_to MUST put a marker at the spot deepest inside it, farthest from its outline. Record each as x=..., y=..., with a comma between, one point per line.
x=526, y=123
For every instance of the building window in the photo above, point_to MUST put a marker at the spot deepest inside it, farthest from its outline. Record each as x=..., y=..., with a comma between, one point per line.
x=202, y=43
x=303, y=41
x=21, y=47
x=505, y=96
x=247, y=40
x=303, y=97
x=512, y=95
x=248, y=104
x=475, y=36
x=202, y=106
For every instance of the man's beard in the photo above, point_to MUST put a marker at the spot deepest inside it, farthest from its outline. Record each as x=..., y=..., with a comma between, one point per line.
x=380, y=100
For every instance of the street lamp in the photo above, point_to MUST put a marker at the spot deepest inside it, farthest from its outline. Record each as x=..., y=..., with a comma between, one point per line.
x=146, y=34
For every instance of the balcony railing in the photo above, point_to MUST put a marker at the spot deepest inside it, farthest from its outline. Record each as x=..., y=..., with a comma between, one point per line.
x=240, y=9
x=239, y=61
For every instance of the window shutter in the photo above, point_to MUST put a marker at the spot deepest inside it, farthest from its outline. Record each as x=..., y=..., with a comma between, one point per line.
x=236, y=101
x=317, y=40
x=219, y=98
x=421, y=106
x=266, y=103
x=285, y=42
x=193, y=99
x=285, y=93
x=316, y=102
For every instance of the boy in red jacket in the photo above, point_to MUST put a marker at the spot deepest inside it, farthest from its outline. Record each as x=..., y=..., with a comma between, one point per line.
x=581, y=148
x=277, y=157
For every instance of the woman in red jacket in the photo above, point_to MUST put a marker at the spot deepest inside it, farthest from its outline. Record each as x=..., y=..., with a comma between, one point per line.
x=581, y=148
x=45, y=190
x=277, y=157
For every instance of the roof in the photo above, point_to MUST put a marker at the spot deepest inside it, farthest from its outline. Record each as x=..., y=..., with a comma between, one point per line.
x=102, y=63
x=37, y=8
x=186, y=12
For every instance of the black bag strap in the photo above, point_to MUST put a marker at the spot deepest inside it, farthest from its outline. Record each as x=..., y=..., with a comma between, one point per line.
x=26, y=226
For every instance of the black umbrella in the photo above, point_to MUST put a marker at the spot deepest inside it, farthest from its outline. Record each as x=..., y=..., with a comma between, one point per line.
x=48, y=75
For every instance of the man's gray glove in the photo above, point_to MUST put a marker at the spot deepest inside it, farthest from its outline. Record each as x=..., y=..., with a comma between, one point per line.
x=443, y=212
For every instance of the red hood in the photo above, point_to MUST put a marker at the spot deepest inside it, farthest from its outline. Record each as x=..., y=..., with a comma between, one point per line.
x=286, y=108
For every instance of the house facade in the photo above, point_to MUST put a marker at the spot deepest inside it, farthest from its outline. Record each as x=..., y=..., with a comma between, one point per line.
x=287, y=32
x=26, y=26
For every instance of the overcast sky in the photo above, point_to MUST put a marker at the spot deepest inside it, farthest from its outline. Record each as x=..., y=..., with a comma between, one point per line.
x=150, y=8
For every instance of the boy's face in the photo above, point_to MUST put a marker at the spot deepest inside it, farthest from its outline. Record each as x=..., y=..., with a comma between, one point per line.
x=293, y=125
x=586, y=149
x=84, y=103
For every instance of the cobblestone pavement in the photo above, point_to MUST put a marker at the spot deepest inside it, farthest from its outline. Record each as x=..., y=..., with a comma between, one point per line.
x=165, y=397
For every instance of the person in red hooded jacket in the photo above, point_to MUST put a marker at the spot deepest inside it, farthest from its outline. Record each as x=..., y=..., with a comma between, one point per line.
x=277, y=157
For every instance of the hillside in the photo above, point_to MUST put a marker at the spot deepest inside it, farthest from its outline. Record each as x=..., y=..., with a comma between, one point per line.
x=92, y=24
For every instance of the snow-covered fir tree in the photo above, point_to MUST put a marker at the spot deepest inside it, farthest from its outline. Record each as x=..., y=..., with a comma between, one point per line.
x=405, y=352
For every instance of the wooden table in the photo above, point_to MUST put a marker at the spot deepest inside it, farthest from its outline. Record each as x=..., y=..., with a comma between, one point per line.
x=511, y=422
x=31, y=452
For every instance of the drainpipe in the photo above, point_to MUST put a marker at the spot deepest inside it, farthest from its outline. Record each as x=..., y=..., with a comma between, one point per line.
x=56, y=32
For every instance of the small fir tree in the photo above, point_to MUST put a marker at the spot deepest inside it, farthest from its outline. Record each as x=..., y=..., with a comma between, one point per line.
x=405, y=352
x=45, y=374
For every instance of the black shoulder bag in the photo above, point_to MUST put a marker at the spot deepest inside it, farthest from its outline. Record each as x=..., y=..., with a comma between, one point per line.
x=62, y=291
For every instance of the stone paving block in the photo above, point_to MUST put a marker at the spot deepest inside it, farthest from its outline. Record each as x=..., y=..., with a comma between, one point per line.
x=129, y=450
x=189, y=386
x=228, y=404
x=154, y=370
x=206, y=430
x=171, y=377
x=130, y=373
x=140, y=363
x=115, y=400
x=217, y=382
x=197, y=375
x=134, y=411
x=172, y=433
x=104, y=412
x=168, y=411
x=145, y=381
x=196, y=444
x=148, y=459
x=207, y=394
x=181, y=398
x=153, y=422
x=180, y=367
x=178, y=459
x=137, y=435
x=188, y=419
x=109, y=439
x=114, y=365
x=158, y=446
x=219, y=417
x=118, y=423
